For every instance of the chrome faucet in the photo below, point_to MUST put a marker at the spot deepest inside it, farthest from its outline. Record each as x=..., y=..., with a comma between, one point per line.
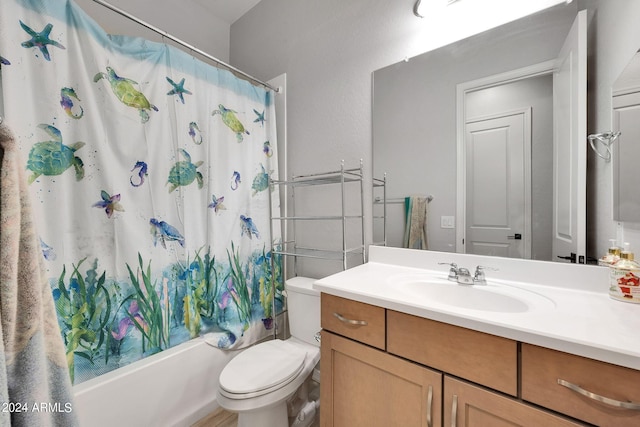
x=479, y=278
x=462, y=276
x=453, y=270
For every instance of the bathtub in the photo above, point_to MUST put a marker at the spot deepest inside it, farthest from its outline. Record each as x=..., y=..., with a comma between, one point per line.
x=176, y=387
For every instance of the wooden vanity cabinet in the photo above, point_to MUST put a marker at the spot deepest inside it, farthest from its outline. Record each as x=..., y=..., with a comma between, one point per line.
x=385, y=368
x=363, y=386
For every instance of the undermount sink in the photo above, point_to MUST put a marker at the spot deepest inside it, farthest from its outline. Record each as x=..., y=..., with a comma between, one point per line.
x=494, y=297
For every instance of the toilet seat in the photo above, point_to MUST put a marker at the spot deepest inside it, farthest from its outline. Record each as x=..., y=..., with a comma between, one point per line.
x=261, y=369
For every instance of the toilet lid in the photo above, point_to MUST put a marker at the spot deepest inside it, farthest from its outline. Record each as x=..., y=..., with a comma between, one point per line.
x=262, y=367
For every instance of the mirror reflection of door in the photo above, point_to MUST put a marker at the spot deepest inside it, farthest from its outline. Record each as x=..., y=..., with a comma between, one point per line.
x=527, y=171
x=498, y=187
x=558, y=156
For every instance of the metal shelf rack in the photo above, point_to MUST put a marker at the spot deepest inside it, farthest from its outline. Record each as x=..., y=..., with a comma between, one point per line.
x=340, y=178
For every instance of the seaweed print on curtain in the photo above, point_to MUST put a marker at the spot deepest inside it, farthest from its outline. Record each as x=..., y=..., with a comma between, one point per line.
x=149, y=172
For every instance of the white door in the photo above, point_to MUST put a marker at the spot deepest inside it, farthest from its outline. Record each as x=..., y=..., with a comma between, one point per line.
x=498, y=159
x=626, y=149
x=570, y=146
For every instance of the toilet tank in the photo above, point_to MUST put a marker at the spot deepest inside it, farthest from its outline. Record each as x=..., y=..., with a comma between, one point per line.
x=303, y=303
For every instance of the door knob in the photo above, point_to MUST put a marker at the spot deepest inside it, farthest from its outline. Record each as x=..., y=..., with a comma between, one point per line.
x=516, y=236
x=571, y=257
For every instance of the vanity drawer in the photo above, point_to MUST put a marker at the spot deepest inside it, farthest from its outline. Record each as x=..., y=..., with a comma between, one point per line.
x=542, y=368
x=352, y=319
x=482, y=358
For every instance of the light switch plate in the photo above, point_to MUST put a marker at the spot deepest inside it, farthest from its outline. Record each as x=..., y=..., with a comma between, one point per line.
x=447, y=221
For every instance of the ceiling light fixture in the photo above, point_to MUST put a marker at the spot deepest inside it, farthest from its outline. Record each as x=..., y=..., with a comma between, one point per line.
x=421, y=7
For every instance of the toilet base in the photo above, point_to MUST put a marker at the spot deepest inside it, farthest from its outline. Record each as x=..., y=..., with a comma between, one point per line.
x=270, y=409
x=267, y=417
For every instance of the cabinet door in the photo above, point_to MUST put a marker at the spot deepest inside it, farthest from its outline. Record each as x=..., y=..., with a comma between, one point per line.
x=362, y=386
x=471, y=406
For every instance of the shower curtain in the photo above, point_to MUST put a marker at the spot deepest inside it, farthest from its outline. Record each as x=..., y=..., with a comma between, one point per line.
x=149, y=171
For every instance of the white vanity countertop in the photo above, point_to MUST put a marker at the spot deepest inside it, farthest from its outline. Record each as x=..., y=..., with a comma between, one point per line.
x=582, y=319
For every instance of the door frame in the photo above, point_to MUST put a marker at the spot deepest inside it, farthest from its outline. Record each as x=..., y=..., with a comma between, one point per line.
x=570, y=122
x=621, y=100
x=526, y=118
x=535, y=70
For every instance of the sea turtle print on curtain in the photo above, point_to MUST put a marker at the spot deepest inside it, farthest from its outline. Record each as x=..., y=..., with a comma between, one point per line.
x=149, y=172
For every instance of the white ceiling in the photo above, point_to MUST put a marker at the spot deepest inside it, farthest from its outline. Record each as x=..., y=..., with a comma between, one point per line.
x=228, y=10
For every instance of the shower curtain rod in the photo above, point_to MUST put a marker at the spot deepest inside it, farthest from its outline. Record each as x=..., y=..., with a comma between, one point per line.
x=183, y=43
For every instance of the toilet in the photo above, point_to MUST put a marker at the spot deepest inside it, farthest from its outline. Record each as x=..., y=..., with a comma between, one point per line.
x=259, y=381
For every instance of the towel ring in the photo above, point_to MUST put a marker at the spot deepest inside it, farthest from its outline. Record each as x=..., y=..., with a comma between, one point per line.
x=606, y=139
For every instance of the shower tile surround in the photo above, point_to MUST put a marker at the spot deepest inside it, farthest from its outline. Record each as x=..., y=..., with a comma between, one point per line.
x=583, y=321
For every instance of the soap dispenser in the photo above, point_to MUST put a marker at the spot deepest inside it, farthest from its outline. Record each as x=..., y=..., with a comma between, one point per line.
x=612, y=256
x=624, y=282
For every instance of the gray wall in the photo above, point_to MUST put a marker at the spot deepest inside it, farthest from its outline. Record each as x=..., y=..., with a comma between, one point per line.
x=194, y=24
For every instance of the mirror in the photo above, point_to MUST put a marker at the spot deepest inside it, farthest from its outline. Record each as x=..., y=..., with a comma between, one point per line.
x=626, y=148
x=415, y=120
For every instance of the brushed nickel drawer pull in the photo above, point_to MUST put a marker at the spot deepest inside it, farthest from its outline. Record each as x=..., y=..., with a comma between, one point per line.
x=454, y=411
x=429, y=406
x=349, y=321
x=597, y=397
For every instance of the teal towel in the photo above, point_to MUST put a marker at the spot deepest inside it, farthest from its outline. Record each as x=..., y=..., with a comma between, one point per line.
x=415, y=232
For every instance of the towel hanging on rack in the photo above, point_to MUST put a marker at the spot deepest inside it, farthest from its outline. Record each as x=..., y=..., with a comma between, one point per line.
x=415, y=234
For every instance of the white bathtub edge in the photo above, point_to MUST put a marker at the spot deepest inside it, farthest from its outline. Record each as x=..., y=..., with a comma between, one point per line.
x=176, y=387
